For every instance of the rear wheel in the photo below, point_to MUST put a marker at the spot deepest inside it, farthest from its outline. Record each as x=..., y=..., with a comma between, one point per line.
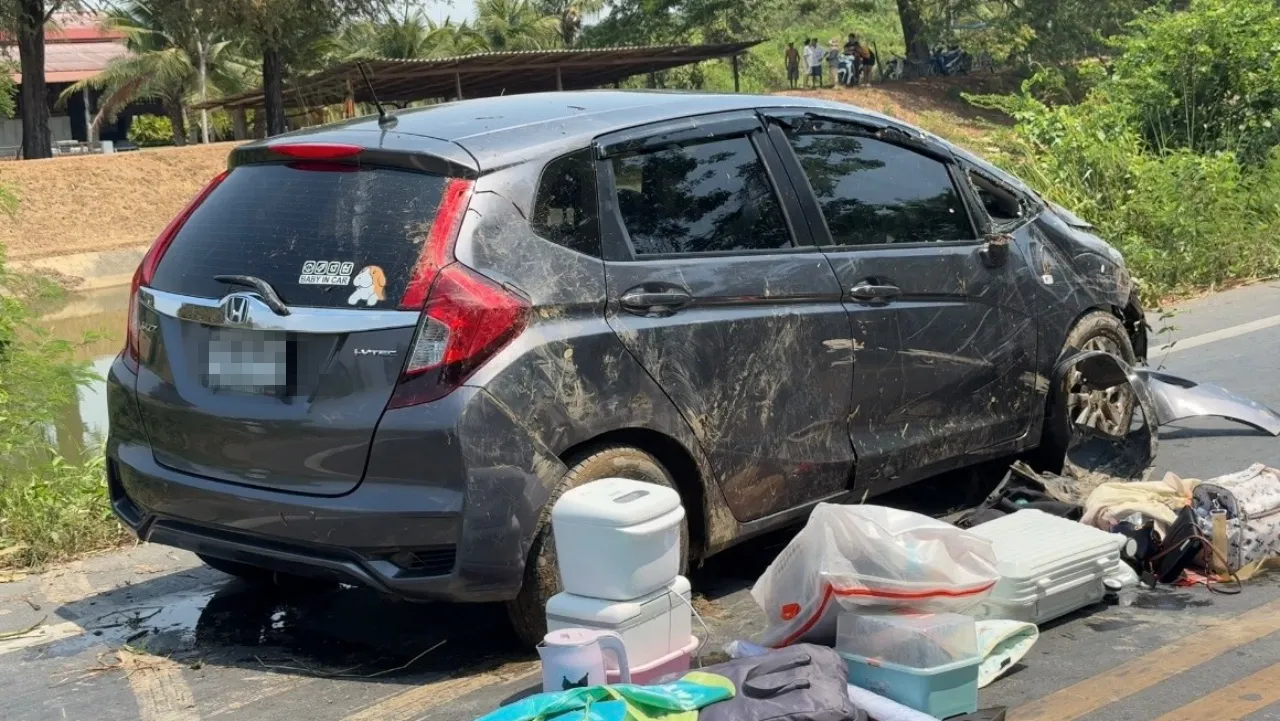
x=541, y=573
x=259, y=576
x=1108, y=411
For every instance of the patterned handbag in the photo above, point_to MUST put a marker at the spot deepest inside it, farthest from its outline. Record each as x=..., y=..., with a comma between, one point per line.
x=1251, y=500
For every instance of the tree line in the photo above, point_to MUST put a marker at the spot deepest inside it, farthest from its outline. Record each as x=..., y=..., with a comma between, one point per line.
x=184, y=51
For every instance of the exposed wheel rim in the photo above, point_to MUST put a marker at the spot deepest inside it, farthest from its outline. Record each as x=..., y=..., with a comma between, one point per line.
x=1107, y=411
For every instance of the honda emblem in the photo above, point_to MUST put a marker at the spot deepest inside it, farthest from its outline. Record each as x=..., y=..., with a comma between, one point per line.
x=235, y=310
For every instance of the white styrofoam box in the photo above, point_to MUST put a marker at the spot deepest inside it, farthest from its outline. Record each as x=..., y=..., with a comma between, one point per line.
x=652, y=627
x=617, y=539
x=1049, y=566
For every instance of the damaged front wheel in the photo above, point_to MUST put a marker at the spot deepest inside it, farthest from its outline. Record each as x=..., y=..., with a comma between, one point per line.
x=1071, y=405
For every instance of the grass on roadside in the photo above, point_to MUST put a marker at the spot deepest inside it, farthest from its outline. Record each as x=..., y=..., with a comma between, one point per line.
x=55, y=510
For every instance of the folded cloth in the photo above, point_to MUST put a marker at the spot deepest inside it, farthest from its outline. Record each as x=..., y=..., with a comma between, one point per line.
x=1160, y=501
x=677, y=701
x=1002, y=644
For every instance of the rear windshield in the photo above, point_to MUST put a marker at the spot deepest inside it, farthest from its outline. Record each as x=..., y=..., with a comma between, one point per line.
x=321, y=235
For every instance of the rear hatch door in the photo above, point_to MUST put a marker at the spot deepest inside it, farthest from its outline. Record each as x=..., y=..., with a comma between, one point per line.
x=286, y=398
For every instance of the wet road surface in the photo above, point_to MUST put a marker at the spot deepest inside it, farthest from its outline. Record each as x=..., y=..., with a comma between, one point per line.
x=148, y=633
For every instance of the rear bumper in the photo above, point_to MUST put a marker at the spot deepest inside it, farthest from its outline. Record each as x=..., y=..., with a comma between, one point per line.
x=465, y=504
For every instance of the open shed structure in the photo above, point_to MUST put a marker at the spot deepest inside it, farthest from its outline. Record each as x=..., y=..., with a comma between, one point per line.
x=481, y=75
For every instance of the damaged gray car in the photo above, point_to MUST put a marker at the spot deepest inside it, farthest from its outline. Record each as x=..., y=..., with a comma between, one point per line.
x=376, y=352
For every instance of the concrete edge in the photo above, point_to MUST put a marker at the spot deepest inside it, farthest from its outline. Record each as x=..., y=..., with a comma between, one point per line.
x=87, y=271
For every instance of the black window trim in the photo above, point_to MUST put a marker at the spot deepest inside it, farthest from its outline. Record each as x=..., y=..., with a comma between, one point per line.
x=822, y=233
x=616, y=240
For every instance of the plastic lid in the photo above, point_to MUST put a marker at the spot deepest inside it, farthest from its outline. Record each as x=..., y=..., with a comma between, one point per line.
x=912, y=640
x=600, y=612
x=615, y=502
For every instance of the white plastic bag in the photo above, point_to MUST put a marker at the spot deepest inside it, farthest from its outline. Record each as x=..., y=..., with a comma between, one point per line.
x=869, y=556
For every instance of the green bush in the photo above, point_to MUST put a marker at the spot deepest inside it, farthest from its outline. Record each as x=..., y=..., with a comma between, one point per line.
x=148, y=131
x=50, y=507
x=1207, y=79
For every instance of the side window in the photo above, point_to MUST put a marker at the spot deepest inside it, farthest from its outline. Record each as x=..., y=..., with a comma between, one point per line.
x=706, y=197
x=1003, y=205
x=565, y=209
x=874, y=193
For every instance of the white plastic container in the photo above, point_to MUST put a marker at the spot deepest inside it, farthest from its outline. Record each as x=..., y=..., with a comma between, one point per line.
x=657, y=628
x=617, y=539
x=1049, y=566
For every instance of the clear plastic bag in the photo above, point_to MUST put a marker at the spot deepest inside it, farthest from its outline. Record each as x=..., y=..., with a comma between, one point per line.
x=851, y=557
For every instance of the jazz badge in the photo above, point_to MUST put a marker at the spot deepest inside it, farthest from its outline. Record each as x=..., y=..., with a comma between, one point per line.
x=371, y=286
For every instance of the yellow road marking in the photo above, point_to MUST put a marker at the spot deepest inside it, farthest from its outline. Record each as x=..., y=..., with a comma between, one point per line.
x=1146, y=671
x=1234, y=702
x=41, y=636
x=162, y=693
x=415, y=702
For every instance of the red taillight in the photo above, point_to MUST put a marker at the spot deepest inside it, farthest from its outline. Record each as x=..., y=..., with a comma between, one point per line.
x=467, y=319
x=147, y=268
x=437, y=252
x=316, y=151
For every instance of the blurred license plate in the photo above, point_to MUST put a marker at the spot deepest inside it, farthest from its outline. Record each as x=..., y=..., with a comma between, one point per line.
x=247, y=361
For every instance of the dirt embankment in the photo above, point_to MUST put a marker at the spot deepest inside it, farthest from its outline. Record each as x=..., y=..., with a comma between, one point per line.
x=102, y=202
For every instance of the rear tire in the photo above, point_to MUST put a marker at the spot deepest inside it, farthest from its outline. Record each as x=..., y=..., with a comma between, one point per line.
x=528, y=610
x=258, y=576
x=1098, y=330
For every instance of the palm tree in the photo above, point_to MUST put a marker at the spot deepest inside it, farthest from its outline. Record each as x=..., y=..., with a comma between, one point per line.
x=570, y=14
x=170, y=60
x=516, y=25
x=407, y=36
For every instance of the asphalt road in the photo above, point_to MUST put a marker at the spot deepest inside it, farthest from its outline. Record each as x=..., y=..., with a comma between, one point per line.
x=149, y=634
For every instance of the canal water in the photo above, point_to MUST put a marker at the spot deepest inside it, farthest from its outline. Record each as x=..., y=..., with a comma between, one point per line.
x=100, y=315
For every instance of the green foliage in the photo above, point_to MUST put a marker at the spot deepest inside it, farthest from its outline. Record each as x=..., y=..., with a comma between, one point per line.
x=1207, y=79
x=50, y=507
x=7, y=90
x=1186, y=184
x=148, y=131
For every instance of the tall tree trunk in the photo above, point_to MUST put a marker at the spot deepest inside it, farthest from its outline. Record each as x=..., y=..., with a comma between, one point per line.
x=913, y=30
x=201, y=48
x=273, y=88
x=179, y=122
x=37, y=140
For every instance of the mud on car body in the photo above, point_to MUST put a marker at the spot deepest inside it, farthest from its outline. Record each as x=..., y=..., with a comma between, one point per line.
x=377, y=355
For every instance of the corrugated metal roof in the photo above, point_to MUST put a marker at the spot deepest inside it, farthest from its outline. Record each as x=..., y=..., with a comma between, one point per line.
x=485, y=74
x=71, y=62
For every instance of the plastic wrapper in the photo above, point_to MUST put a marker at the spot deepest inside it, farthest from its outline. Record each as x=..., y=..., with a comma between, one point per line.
x=869, y=557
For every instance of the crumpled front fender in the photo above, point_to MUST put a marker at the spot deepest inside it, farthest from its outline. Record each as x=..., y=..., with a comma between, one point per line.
x=1175, y=399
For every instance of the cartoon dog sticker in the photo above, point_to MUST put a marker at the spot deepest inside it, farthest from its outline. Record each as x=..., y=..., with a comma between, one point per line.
x=371, y=286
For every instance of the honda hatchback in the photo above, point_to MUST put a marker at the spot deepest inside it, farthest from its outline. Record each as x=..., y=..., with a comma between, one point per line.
x=377, y=354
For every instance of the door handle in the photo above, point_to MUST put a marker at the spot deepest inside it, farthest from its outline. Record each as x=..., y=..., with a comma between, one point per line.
x=641, y=301
x=872, y=292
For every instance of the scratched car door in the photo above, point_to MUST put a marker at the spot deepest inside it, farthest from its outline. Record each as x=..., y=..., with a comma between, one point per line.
x=716, y=289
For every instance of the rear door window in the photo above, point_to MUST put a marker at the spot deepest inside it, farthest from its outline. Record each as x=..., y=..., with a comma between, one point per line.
x=322, y=235
x=699, y=198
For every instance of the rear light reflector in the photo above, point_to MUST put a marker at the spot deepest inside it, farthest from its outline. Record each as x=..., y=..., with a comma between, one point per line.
x=316, y=151
x=147, y=268
x=467, y=320
x=437, y=252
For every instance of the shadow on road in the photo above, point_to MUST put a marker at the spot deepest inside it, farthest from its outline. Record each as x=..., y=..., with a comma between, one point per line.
x=202, y=618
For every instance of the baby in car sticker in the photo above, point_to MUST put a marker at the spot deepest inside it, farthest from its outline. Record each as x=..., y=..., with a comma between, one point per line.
x=371, y=286
x=370, y=282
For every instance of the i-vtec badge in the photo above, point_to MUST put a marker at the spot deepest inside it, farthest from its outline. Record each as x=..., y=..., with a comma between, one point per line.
x=377, y=352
